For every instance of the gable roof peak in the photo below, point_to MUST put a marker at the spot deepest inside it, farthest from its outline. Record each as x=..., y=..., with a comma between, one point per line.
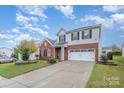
x=50, y=41
x=62, y=29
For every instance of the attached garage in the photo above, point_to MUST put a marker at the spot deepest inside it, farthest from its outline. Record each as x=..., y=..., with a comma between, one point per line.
x=81, y=54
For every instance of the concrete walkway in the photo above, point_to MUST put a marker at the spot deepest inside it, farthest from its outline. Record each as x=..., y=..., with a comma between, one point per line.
x=67, y=74
x=8, y=83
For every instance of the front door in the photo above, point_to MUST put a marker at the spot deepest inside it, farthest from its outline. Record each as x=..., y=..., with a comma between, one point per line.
x=58, y=53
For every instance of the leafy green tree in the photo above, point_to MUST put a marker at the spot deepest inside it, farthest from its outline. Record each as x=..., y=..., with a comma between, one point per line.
x=26, y=48
x=15, y=53
x=116, y=50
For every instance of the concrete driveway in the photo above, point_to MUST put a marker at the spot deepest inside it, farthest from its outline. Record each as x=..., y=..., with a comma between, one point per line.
x=67, y=74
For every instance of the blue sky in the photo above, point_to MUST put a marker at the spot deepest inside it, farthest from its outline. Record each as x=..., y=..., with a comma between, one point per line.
x=37, y=22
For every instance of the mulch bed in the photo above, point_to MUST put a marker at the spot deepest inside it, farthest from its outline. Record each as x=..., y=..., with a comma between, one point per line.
x=108, y=63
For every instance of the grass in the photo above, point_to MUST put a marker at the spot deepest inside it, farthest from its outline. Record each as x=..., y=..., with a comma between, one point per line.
x=107, y=76
x=10, y=70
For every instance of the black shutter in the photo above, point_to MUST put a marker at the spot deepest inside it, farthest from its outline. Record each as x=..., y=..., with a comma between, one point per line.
x=71, y=36
x=90, y=33
x=43, y=52
x=59, y=39
x=82, y=34
x=64, y=38
x=78, y=35
x=46, y=51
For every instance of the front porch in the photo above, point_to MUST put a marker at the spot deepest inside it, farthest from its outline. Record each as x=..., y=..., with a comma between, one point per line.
x=61, y=53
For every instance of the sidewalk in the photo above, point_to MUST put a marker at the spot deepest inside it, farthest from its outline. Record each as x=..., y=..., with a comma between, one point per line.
x=8, y=83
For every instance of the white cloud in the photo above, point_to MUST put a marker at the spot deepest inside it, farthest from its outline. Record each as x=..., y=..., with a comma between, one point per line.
x=66, y=10
x=113, y=8
x=106, y=22
x=118, y=18
x=16, y=39
x=10, y=41
x=23, y=20
x=46, y=26
x=122, y=28
x=6, y=36
x=23, y=37
x=38, y=30
x=14, y=30
x=33, y=10
x=122, y=36
x=35, y=29
x=30, y=24
x=34, y=19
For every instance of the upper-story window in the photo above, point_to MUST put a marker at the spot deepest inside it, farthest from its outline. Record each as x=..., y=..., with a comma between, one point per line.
x=62, y=39
x=87, y=34
x=75, y=36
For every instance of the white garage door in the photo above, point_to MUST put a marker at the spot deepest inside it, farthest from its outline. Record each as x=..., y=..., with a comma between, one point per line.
x=81, y=54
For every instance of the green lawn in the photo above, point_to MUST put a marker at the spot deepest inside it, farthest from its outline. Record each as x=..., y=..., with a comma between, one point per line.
x=10, y=70
x=108, y=76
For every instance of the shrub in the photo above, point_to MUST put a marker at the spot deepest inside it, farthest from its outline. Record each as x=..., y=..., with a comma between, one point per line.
x=117, y=53
x=104, y=58
x=110, y=55
x=37, y=56
x=25, y=56
x=52, y=60
x=14, y=59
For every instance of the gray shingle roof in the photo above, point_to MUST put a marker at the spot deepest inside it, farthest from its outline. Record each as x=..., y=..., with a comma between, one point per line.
x=78, y=29
x=84, y=28
x=51, y=41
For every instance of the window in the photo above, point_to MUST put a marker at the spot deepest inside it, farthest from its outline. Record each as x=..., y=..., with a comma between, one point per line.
x=90, y=50
x=62, y=39
x=87, y=34
x=45, y=52
x=71, y=50
x=48, y=52
x=103, y=51
x=75, y=36
x=77, y=50
x=83, y=50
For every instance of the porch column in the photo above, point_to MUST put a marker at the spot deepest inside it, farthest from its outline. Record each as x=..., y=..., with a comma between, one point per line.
x=54, y=53
x=62, y=53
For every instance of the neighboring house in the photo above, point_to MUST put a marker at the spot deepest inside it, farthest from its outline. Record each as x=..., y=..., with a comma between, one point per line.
x=106, y=50
x=33, y=55
x=6, y=52
x=78, y=44
x=123, y=50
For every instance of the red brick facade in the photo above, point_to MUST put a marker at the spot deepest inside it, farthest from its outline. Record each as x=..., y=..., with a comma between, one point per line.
x=45, y=46
x=66, y=53
x=55, y=52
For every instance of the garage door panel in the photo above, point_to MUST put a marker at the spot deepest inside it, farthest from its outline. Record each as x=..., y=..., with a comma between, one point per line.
x=86, y=56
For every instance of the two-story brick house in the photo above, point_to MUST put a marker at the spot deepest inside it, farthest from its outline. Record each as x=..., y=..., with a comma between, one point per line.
x=78, y=44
